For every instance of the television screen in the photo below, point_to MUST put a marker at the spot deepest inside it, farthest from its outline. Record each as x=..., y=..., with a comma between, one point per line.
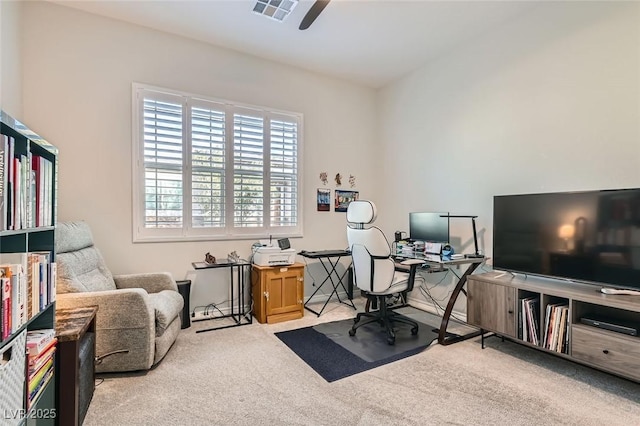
x=589, y=236
x=429, y=227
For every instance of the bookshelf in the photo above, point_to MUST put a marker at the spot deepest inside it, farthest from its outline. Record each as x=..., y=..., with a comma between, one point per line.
x=27, y=240
x=547, y=315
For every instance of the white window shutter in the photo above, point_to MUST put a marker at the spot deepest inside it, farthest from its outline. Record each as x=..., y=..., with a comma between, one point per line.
x=284, y=173
x=208, y=156
x=207, y=169
x=248, y=171
x=163, y=192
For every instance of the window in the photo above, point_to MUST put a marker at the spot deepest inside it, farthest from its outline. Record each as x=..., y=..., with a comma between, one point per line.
x=210, y=169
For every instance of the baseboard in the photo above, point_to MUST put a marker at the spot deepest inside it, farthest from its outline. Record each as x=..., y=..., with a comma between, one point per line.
x=428, y=307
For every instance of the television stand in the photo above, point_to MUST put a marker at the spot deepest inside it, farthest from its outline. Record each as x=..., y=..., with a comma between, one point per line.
x=498, y=302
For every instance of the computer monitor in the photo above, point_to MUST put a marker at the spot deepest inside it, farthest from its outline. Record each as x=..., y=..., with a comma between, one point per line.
x=429, y=227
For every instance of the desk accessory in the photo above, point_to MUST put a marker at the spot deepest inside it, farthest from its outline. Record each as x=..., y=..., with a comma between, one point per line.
x=284, y=244
x=620, y=291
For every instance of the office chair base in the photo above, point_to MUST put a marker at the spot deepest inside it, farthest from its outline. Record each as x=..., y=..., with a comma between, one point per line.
x=385, y=316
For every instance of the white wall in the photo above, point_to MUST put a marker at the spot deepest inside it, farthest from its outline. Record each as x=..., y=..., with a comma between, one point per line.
x=10, y=59
x=78, y=70
x=550, y=102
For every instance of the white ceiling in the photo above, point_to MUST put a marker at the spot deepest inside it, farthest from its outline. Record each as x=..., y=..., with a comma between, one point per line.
x=372, y=42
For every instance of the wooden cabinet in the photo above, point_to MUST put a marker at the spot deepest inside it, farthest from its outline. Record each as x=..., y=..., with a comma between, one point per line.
x=278, y=292
x=494, y=303
x=491, y=307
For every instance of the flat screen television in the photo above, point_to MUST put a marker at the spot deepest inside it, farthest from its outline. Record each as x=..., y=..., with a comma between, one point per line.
x=429, y=227
x=590, y=236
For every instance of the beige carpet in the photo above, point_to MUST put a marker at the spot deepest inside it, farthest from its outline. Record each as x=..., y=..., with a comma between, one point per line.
x=247, y=376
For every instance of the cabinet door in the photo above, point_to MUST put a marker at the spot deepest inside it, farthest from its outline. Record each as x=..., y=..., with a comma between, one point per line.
x=492, y=307
x=283, y=287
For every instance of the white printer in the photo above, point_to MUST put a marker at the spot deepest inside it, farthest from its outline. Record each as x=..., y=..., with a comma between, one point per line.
x=274, y=256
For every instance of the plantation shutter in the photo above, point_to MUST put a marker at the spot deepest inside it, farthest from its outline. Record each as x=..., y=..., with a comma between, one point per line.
x=210, y=169
x=208, y=166
x=248, y=171
x=163, y=189
x=284, y=173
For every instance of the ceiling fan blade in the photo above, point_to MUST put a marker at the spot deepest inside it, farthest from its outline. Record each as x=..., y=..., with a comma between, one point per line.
x=313, y=13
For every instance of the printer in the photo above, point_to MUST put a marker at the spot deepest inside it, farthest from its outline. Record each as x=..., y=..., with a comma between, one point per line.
x=274, y=256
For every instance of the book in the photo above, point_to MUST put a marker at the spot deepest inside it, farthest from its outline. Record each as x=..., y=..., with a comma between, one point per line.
x=35, y=394
x=10, y=190
x=549, y=324
x=533, y=320
x=5, y=291
x=34, y=379
x=4, y=152
x=38, y=340
x=562, y=325
x=18, y=314
x=35, y=363
x=33, y=279
x=53, y=282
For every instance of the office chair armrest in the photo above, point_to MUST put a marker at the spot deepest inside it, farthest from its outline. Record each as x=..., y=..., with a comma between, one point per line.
x=413, y=267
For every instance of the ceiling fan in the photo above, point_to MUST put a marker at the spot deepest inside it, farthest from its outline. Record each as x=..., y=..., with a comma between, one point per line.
x=313, y=13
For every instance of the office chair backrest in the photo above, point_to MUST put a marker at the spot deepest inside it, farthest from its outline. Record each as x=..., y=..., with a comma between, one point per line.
x=370, y=251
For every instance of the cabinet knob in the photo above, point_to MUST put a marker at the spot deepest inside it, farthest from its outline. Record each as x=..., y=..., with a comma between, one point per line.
x=606, y=351
x=510, y=311
x=266, y=295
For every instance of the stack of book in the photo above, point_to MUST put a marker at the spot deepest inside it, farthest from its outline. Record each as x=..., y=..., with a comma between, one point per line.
x=41, y=346
x=528, y=319
x=556, y=325
x=27, y=286
x=26, y=188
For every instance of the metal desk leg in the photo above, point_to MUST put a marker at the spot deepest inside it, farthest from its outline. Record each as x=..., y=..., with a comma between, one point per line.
x=442, y=334
x=237, y=284
x=330, y=273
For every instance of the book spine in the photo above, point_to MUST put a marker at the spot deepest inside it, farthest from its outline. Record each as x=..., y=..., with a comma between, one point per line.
x=10, y=189
x=33, y=396
x=4, y=148
x=6, y=307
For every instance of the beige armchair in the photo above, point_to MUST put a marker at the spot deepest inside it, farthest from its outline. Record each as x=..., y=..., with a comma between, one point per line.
x=138, y=316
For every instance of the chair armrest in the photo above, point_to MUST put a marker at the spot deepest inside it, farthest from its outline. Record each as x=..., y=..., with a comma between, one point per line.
x=152, y=283
x=117, y=309
x=409, y=266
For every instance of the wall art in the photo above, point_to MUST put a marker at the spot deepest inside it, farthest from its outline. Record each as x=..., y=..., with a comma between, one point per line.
x=343, y=198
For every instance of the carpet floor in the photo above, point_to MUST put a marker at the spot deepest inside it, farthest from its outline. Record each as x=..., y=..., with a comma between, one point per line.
x=247, y=376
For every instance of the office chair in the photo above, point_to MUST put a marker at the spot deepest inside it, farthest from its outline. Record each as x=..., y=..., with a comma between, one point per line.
x=375, y=271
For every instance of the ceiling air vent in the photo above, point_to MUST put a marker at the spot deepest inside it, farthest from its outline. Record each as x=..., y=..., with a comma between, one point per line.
x=275, y=9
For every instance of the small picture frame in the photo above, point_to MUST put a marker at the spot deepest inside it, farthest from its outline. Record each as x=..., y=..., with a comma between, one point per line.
x=343, y=199
x=324, y=200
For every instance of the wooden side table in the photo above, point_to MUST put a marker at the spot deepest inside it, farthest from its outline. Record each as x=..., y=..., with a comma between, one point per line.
x=75, y=363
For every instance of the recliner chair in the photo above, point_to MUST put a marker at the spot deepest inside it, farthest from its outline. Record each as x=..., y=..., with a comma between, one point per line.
x=138, y=317
x=375, y=271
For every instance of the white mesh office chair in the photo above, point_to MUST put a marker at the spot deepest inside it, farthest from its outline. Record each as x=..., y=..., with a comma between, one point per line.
x=374, y=270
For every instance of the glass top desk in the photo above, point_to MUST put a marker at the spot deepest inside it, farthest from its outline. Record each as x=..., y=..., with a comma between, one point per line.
x=443, y=263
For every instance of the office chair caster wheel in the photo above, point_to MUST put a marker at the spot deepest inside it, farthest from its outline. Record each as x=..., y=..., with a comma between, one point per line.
x=391, y=340
x=352, y=332
x=414, y=331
